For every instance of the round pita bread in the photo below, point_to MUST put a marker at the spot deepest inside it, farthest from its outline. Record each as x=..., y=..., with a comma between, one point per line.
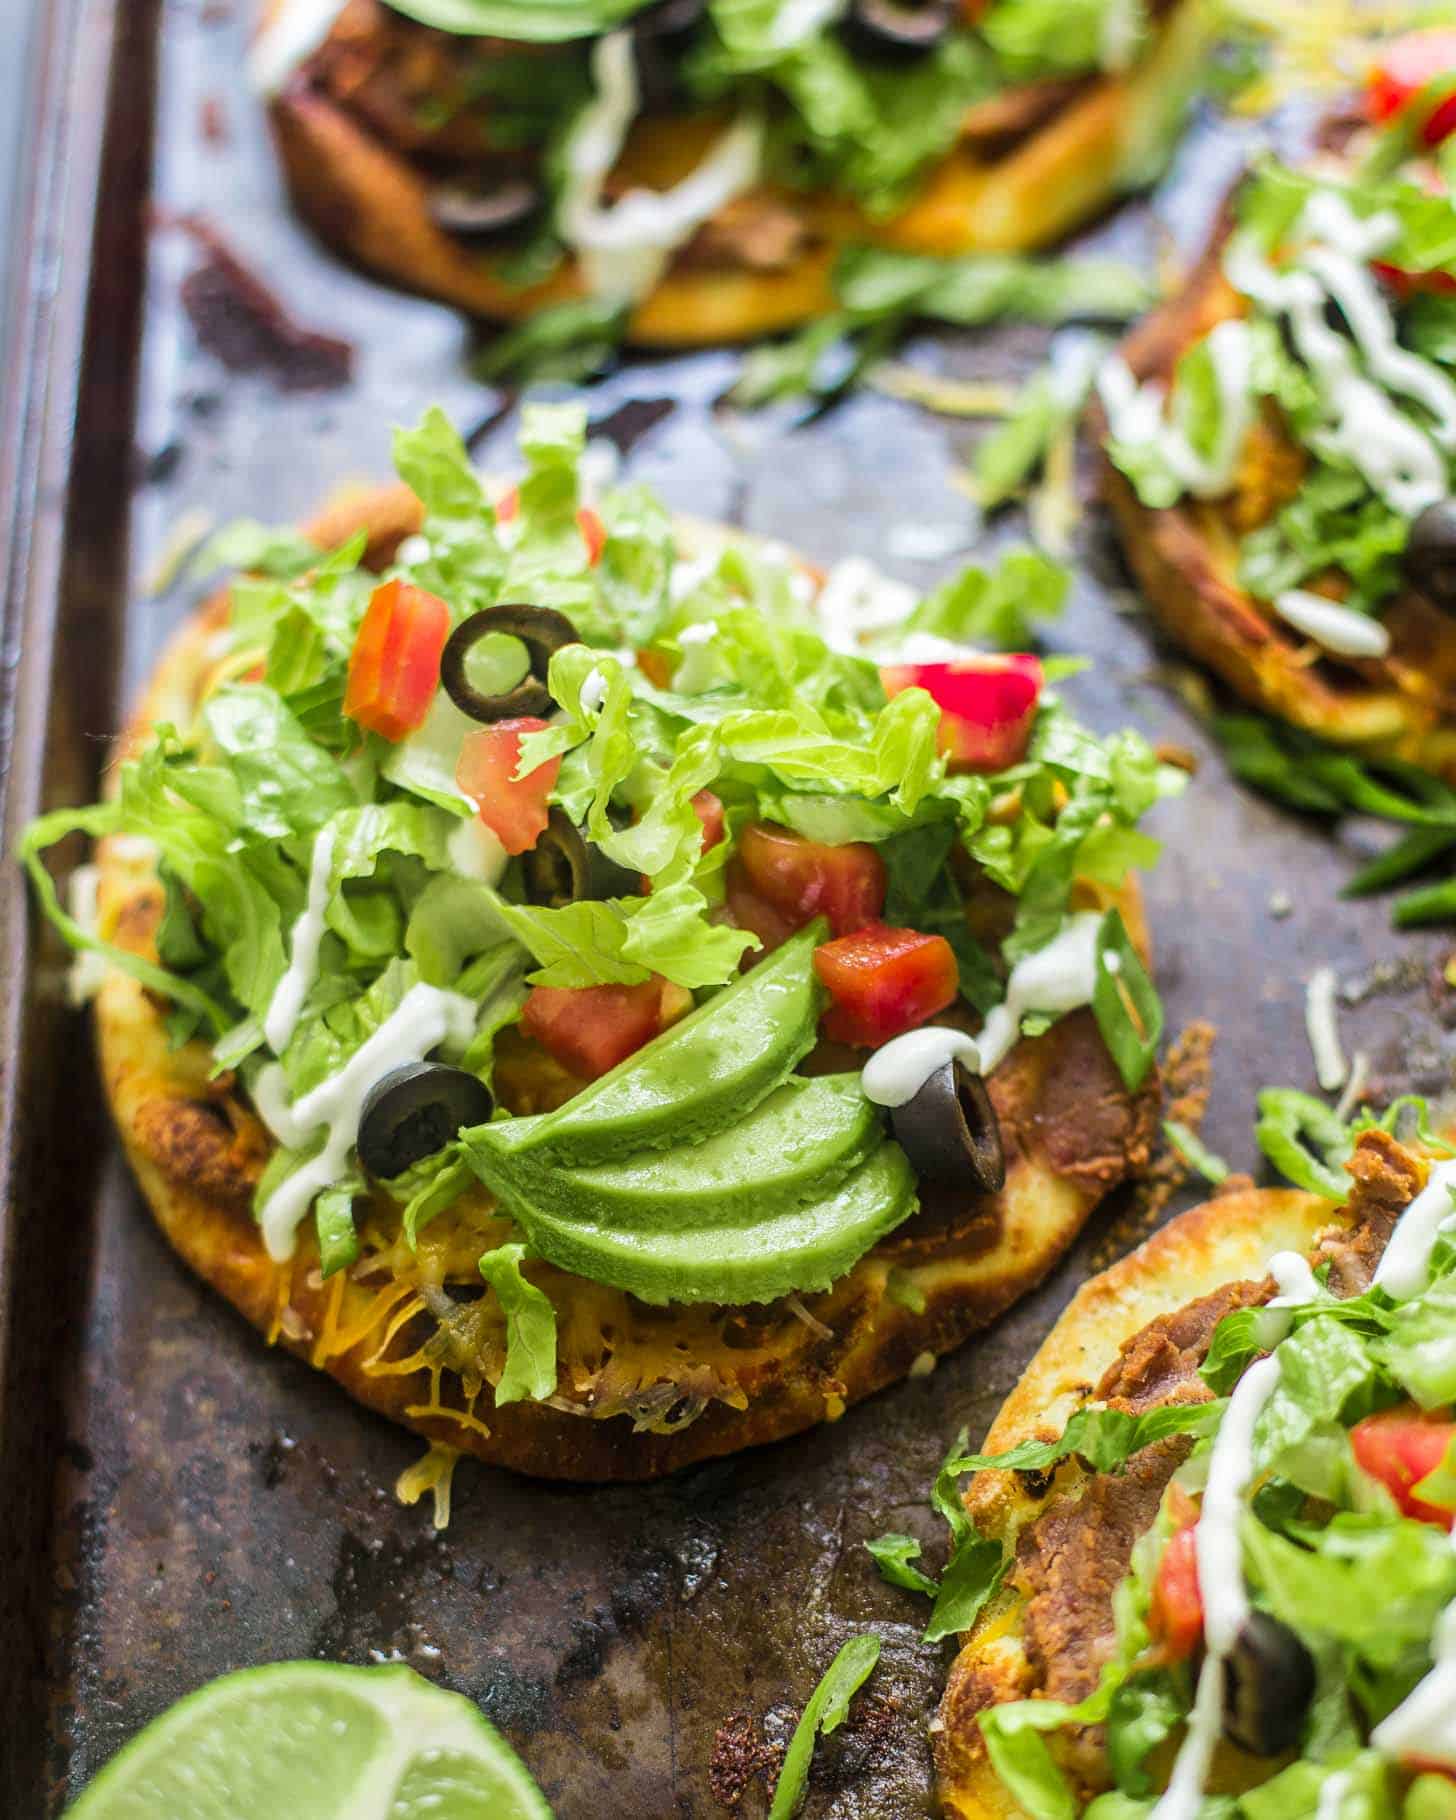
x=1186, y=557
x=640, y=1390
x=370, y=202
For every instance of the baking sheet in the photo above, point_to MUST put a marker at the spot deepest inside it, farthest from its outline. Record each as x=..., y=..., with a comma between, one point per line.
x=191, y=1503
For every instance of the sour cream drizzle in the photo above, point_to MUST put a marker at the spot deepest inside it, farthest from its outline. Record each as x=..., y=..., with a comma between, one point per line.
x=1329, y=262
x=1337, y=628
x=286, y=1005
x=425, y=1018
x=1406, y=1265
x=295, y=31
x=1135, y=413
x=895, y=1073
x=1424, y=1724
x=1056, y=979
x=625, y=247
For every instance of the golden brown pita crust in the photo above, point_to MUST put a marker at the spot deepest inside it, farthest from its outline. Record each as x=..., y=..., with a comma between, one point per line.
x=1185, y=558
x=369, y=202
x=757, y=1374
x=1227, y=1240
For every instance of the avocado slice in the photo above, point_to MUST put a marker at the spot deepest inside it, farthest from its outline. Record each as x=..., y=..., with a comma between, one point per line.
x=796, y=1145
x=698, y=1078
x=800, y=1247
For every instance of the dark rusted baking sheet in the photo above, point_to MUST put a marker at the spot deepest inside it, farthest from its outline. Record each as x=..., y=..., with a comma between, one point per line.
x=179, y=1502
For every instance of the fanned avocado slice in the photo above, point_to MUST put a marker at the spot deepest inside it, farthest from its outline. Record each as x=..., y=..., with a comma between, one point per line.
x=697, y=1078
x=804, y=1247
x=798, y=1143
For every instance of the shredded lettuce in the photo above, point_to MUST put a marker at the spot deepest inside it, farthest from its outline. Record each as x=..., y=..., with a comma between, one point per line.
x=530, y=1368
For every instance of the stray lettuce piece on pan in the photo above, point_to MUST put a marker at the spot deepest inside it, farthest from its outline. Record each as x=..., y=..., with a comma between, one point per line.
x=826, y=1711
x=562, y=345
x=530, y=1369
x=880, y=292
x=1195, y=1152
x=1296, y=769
x=894, y=1555
x=1046, y=407
x=974, y=1568
x=1125, y=1003
x=1305, y=1141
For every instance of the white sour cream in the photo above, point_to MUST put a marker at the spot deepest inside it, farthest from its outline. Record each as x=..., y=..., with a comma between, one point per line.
x=1406, y=1265
x=1220, y=1584
x=1424, y=1724
x=1329, y=262
x=1321, y=1025
x=292, y=35
x=895, y=1073
x=801, y=19
x=1054, y=980
x=1337, y=628
x=424, y=1019
x=475, y=851
x=624, y=247
x=286, y=1005
x=858, y=600
x=1135, y=413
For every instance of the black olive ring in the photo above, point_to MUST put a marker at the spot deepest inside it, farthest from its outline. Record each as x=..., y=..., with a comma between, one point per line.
x=950, y=1132
x=564, y=867
x=415, y=1110
x=542, y=630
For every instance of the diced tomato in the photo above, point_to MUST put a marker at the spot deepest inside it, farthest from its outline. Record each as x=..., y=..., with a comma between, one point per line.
x=1408, y=65
x=1175, y=1612
x=747, y=910
x=987, y=705
x=394, y=668
x=883, y=982
x=1399, y=1447
x=513, y=808
x=802, y=879
x=1406, y=284
x=589, y=1029
x=593, y=531
x=709, y=812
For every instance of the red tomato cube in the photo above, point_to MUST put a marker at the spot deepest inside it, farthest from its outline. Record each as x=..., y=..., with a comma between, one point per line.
x=1408, y=65
x=801, y=879
x=987, y=706
x=1175, y=1612
x=394, y=668
x=1400, y=1447
x=884, y=982
x=515, y=809
x=589, y=1029
x=709, y=812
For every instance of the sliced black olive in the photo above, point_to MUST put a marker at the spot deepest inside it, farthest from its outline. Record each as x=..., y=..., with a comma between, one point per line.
x=950, y=1131
x=564, y=867
x=1430, y=555
x=485, y=214
x=901, y=27
x=541, y=630
x=415, y=1110
x=1268, y=1682
x=662, y=35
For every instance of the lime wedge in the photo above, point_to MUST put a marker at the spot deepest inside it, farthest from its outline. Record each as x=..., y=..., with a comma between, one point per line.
x=316, y=1741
